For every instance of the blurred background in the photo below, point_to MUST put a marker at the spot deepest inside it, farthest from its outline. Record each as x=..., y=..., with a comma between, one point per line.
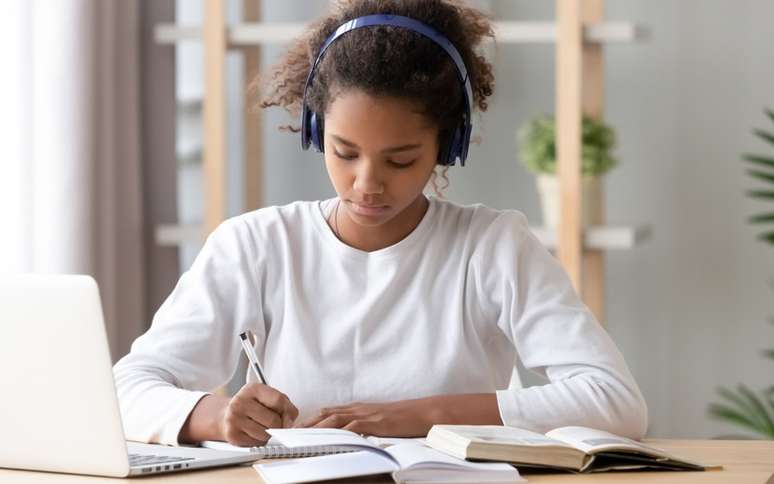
x=103, y=134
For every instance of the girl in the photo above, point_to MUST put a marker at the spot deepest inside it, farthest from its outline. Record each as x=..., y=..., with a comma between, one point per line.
x=382, y=311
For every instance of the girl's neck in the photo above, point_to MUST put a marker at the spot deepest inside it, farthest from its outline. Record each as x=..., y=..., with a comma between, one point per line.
x=370, y=239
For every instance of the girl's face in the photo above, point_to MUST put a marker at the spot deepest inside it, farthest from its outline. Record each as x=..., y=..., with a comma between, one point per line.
x=380, y=153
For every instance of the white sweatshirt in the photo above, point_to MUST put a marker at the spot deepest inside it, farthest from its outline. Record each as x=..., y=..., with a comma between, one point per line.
x=443, y=311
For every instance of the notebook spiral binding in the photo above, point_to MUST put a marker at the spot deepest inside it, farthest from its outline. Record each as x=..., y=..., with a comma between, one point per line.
x=282, y=452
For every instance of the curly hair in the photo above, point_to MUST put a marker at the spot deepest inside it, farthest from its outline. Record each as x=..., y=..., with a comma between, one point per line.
x=387, y=61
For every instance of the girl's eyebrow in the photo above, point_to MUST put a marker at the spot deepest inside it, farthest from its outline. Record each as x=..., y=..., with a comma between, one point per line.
x=393, y=149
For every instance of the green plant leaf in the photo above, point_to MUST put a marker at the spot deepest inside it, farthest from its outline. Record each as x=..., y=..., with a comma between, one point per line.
x=761, y=175
x=536, y=140
x=769, y=395
x=759, y=160
x=769, y=113
x=761, y=218
x=767, y=237
x=760, y=409
x=741, y=405
x=764, y=135
x=769, y=353
x=745, y=403
x=723, y=412
x=760, y=194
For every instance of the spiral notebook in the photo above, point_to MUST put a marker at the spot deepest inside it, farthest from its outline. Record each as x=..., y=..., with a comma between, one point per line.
x=278, y=451
x=275, y=450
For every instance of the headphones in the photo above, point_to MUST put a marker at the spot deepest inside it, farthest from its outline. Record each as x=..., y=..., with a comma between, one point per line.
x=457, y=148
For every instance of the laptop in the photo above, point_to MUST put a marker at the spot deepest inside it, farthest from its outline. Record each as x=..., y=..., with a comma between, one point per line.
x=59, y=411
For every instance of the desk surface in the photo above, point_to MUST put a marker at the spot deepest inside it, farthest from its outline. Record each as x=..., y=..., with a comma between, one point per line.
x=742, y=461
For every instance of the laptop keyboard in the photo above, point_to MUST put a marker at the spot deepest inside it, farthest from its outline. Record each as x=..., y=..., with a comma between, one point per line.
x=141, y=460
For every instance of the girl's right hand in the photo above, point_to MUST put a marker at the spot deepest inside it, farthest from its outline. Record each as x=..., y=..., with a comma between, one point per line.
x=255, y=408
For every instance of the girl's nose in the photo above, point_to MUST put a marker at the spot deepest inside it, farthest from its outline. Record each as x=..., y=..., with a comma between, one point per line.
x=368, y=179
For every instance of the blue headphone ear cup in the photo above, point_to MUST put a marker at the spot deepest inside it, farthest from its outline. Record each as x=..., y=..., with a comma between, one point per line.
x=457, y=147
x=454, y=147
x=305, y=128
x=467, y=129
x=316, y=132
x=445, y=150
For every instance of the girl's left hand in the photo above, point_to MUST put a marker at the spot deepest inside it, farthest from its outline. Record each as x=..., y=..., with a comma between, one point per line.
x=406, y=418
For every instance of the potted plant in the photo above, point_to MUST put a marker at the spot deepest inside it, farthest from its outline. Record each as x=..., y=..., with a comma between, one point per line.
x=744, y=407
x=537, y=147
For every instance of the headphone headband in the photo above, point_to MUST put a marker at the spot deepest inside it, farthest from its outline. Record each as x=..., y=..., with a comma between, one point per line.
x=458, y=149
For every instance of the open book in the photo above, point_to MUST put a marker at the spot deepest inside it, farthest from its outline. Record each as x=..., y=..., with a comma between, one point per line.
x=406, y=462
x=579, y=449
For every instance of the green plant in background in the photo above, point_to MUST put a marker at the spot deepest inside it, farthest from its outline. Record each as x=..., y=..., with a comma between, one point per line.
x=537, y=146
x=765, y=172
x=743, y=407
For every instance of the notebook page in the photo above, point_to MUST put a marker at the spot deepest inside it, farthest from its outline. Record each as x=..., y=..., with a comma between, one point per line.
x=301, y=437
x=220, y=445
x=310, y=469
x=385, y=442
x=275, y=450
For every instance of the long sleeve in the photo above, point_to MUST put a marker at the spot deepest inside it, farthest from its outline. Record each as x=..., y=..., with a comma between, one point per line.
x=192, y=345
x=531, y=298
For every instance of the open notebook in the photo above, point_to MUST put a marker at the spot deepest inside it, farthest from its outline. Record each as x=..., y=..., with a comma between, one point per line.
x=406, y=462
x=274, y=450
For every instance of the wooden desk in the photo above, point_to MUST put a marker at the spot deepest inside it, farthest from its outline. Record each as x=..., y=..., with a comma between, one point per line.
x=742, y=461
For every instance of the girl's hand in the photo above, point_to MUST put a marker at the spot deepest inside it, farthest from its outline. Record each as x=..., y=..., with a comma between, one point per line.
x=406, y=418
x=255, y=408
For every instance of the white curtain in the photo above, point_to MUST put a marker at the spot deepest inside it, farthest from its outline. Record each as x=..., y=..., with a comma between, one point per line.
x=70, y=193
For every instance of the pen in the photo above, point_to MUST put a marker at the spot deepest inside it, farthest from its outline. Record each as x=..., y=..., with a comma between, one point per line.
x=250, y=352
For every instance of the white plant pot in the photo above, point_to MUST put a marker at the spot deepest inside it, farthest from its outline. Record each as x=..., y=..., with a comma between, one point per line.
x=548, y=188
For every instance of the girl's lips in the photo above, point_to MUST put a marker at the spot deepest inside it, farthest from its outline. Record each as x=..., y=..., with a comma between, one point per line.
x=369, y=210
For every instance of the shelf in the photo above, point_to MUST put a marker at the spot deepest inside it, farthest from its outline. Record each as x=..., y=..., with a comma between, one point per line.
x=173, y=33
x=247, y=34
x=256, y=34
x=602, y=237
x=191, y=106
x=545, y=32
x=176, y=235
x=599, y=238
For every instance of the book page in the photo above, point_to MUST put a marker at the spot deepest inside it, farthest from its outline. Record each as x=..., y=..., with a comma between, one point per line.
x=592, y=441
x=413, y=455
x=498, y=434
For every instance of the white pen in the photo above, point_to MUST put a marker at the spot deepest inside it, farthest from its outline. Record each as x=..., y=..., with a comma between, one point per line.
x=250, y=352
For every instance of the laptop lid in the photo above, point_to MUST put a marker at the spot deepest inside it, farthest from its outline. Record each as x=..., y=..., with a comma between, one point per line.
x=59, y=410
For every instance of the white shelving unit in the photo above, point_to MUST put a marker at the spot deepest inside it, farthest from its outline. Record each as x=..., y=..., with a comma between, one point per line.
x=251, y=34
